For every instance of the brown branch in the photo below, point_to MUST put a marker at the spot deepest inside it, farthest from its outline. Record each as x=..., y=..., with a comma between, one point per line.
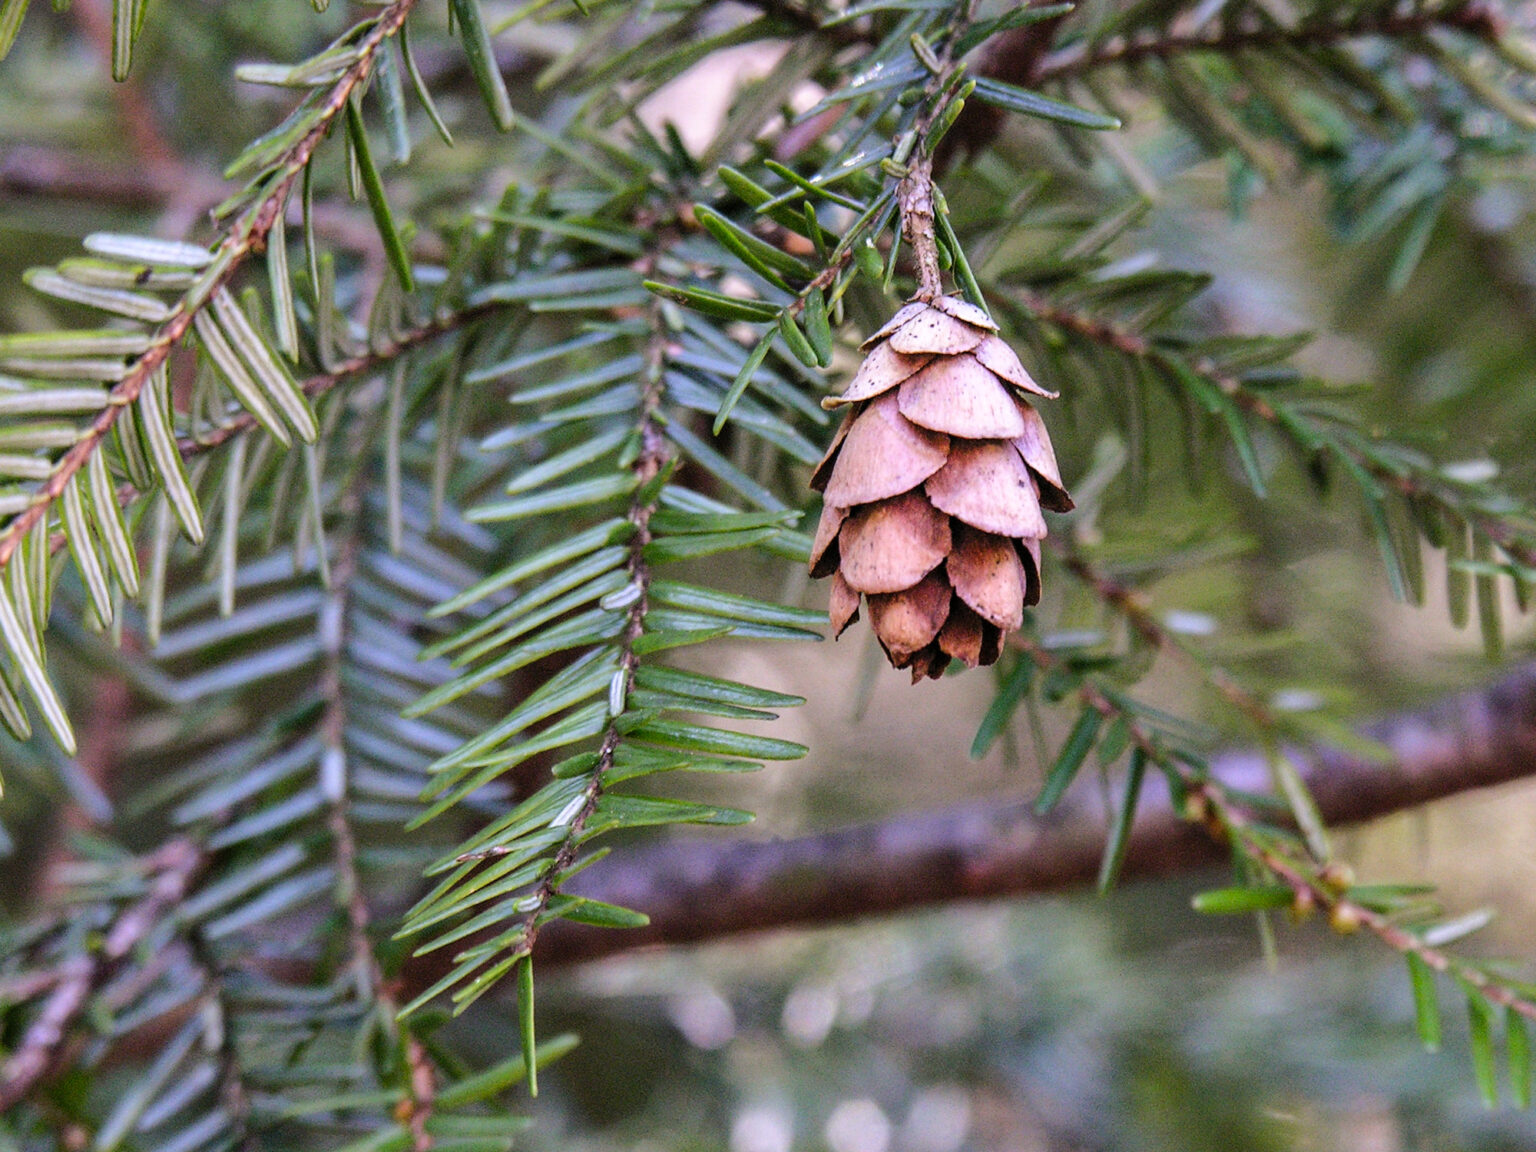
x=698, y=889
x=33, y=170
x=322, y=382
x=914, y=196
x=1479, y=19
x=173, y=868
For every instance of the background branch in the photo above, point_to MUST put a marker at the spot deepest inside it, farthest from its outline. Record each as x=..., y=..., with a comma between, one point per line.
x=697, y=889
x=1477, y=19
x=1025, y=56
x=172, y=868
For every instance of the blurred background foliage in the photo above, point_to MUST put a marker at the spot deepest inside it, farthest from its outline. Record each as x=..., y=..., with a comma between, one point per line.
x=1081, y=1023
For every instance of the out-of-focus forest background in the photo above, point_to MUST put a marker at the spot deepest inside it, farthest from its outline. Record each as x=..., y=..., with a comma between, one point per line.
x=1065, y=1022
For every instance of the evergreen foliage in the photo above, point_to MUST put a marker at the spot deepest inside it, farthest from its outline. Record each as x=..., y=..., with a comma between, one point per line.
x=396, y=557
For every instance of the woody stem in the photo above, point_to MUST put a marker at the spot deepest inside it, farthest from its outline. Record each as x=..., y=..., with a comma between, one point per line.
x=914, y=197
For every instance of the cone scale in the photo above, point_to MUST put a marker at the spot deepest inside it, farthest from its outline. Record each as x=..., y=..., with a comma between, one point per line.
x=933, y=490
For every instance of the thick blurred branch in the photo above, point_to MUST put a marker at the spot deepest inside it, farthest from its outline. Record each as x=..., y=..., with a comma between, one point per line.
x=696, y=890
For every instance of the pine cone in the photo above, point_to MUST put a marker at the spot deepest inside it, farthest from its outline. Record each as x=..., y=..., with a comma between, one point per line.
x=933, y=488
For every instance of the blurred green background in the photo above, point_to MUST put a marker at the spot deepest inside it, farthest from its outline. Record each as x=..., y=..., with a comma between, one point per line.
x=1055, y=1024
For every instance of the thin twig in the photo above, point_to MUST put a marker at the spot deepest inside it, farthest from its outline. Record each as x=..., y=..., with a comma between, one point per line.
x=914, y=197
x=1347, y=915
x=313, y=387
x=245, y=238
x=320, y=383
x=173, y=867
x=1132, y=605
x=1478, y=19
x=334, y=623
x=915, y=192
x=1213, y=803
x=1110, y=334
x=648, y=464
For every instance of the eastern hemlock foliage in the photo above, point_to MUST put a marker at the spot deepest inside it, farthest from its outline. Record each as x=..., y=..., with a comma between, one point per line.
x=351, y=575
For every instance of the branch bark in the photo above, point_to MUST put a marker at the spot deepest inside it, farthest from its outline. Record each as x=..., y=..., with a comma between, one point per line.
x=173, y=867
x=696, y=890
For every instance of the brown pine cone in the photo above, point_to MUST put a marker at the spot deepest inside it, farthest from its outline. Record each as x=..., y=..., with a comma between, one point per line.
x=933, y=488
